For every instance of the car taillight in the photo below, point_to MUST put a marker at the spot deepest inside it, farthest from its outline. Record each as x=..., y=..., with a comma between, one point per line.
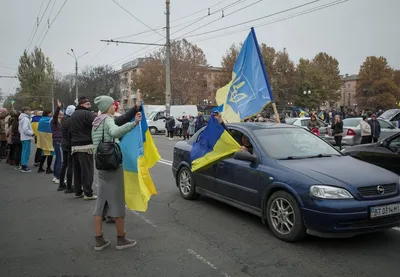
x=326, y=131
x=350, y=132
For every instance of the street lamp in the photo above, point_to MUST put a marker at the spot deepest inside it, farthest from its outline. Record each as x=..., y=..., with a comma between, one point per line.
x=76, y=72
x=307, y=92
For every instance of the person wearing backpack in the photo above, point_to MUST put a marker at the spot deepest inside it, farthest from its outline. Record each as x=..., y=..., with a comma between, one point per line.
x=105, y=137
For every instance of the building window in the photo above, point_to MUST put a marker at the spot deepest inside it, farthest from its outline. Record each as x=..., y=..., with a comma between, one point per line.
x=348, y=85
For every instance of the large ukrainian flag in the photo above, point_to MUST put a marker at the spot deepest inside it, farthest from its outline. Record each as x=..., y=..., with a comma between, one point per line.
x=249, y=91
x=139, y=155
x=213, y=144
x=35, y=124
x=45, y=138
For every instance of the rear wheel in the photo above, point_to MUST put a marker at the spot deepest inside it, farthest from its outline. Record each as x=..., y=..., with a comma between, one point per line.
x=186, y=184
x=284, y=217
x=153, y=130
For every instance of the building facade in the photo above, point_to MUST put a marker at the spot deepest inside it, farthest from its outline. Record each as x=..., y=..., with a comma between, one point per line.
x=348, y=90
x=128, y=92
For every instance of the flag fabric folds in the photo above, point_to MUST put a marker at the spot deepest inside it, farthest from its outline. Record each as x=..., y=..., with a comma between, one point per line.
x=213, y=144
x=45, y=138
x=139, y=154
x=321, y=115
x=35, y=124
x=249, y=90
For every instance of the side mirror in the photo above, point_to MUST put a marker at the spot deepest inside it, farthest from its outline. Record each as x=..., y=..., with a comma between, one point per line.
x=245, y=156
x=384, y=143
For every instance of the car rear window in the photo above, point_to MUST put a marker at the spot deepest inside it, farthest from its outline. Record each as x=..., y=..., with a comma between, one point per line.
x=290, y=121
x=351, y=122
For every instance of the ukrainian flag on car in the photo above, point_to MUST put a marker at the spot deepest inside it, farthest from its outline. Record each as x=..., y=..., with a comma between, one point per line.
x=139, y=154
x=249, y=91
x=45, y=138
x=213, y=144
x=35, y=124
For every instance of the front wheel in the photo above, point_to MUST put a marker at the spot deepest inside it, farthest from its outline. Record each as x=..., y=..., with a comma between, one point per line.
x=153, y=130
x=284, y=217
x=186, y=184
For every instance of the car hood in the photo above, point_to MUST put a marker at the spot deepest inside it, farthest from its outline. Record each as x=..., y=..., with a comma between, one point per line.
x=341, y=171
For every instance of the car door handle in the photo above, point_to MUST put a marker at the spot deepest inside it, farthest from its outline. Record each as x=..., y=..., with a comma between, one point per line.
x=220, y=165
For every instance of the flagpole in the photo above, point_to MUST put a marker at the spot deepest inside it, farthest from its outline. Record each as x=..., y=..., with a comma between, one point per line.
x=277, y=119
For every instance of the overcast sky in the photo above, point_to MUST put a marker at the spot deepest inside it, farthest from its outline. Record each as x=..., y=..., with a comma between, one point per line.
x=349, y=31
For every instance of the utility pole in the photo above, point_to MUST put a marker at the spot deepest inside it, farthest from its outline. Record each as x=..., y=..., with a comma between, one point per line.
x=168, y=61
x=76, y=72
x=52, y=95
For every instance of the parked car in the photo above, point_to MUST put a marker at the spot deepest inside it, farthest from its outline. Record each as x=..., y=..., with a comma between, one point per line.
x=352, y=131
x=303, y=122
x=392, y=115
x=385, y=153
x=296, y=182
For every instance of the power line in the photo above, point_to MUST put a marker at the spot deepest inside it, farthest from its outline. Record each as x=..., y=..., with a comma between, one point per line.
x=321, y=7
x=37, y=27
x=51, y=23
x=34, y=24
x=199, y=11
x=202, y=26
x=48, y=22
x=143, y=48
x=131, y=14
x=256, y=19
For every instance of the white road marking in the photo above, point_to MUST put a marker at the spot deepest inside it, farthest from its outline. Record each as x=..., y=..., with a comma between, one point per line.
x=166, y=162
x=207, y=262
x=148, y=221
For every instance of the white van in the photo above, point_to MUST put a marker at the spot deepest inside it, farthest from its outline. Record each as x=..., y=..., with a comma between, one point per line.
x=156, y=118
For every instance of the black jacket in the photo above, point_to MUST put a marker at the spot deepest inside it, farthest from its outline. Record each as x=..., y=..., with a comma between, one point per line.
x=80, y=125
x=66, y=134
x=337, y=128
x=127, y=117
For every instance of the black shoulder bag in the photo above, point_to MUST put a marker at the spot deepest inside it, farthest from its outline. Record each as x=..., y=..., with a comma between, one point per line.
x=108, y=155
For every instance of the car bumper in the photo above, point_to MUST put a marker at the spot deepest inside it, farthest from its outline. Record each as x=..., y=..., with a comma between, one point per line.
x=358, y=221
x=346, y=140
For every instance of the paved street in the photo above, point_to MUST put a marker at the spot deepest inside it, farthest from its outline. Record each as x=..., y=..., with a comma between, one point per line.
x=48, y=233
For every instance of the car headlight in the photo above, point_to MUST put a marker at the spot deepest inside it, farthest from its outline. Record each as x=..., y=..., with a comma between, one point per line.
x=329, y=192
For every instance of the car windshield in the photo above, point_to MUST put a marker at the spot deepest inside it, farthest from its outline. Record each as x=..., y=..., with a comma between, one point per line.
x=293, y=143
x=290, y=121
x=151, y=115
x=389, y=114
x=351, y=122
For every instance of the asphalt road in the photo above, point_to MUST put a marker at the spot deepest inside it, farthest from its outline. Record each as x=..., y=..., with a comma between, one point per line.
x=48, y=233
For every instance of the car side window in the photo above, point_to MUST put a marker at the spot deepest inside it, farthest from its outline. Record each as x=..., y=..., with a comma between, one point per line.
x=237, y=135
x=395, y=143
x=304, y=123
x=396, y=118
x=385, y=125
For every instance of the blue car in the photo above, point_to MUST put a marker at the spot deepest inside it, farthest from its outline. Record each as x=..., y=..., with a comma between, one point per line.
x=294, y=181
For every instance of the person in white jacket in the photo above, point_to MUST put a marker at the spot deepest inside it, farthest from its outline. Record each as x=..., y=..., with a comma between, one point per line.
x=26, y=132
x=365, y=131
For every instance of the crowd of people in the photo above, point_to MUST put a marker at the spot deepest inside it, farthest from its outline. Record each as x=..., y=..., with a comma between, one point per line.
x=73, y=136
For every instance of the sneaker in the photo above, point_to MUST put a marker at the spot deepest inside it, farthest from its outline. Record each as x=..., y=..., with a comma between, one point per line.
x=40, y=170
x=93, y=197
x=123, y=243
x=69, y=191
x=79, y=195
x=36, y=164
x=49, y=171
x=54, y=179
x=57, y=181
x=25, y=170
x=101, y=243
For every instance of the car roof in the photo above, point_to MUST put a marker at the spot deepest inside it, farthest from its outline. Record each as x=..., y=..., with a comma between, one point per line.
x=260, y=125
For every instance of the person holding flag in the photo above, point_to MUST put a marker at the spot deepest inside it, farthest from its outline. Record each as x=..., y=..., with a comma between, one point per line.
x=110, y=182
x=35, y=123
x=45, y=142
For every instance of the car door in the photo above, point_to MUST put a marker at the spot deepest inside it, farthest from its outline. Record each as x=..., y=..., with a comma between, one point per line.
x=205, y=177
x=392, y=158
x=387, y=129
x=239, y=180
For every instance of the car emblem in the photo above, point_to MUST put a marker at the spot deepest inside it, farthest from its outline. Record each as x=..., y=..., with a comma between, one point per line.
x=380, y=189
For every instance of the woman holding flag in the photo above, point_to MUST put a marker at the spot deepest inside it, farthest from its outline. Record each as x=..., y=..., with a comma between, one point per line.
x=110, y=182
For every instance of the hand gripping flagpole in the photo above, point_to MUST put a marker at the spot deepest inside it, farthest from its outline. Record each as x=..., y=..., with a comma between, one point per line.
x=266, y=77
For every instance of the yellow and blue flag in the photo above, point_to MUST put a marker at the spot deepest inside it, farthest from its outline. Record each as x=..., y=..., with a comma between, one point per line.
x=213, y=144
x=45, y=138
x=139, y=155
x=321, y=115
x=249, y=91
x=35, y=124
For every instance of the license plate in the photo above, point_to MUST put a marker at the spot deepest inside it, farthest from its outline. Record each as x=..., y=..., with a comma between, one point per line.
x=385, y=210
